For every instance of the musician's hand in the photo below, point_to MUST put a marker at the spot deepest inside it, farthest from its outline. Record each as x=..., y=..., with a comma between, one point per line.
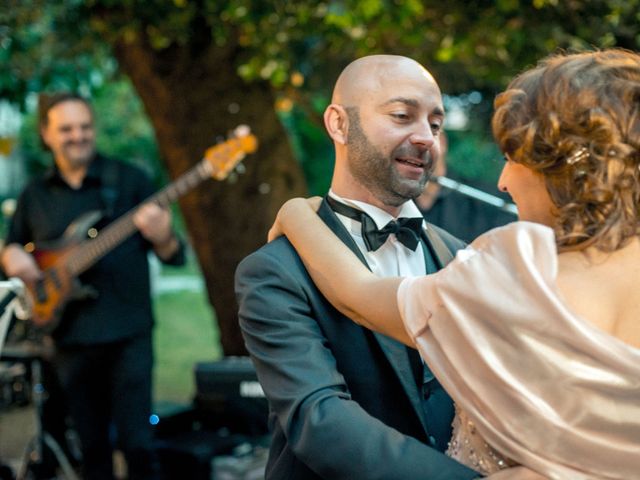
x=18, y=263
x=154, y=223
x=296, y=207
x=516, y=473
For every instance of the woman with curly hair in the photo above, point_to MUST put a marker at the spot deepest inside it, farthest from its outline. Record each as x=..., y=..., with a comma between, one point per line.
x=534, y=329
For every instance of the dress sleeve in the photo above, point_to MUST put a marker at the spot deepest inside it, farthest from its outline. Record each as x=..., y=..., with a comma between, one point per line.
x=418, y=296
x=541, y=385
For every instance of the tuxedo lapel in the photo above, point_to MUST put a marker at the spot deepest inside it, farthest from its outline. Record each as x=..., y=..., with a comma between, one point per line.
x=395, y=351
x=329, y=217
x=436, y=246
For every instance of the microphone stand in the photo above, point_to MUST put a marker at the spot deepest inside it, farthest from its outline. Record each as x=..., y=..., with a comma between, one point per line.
x=477, y=194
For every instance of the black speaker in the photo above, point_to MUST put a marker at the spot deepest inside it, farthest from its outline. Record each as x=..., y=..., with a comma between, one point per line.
x=229, y=394
x=191, y=452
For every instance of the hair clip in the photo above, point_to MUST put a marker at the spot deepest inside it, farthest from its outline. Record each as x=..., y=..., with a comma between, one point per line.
x=578, y=156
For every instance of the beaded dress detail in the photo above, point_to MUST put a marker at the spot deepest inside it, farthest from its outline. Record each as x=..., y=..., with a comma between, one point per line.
x=468, y=447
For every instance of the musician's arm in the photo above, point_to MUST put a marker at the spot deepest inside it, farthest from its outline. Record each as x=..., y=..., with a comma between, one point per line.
x=18, y=263
x=168, y=250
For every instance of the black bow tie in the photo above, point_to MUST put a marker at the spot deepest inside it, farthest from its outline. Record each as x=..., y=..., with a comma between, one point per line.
x=406, y=230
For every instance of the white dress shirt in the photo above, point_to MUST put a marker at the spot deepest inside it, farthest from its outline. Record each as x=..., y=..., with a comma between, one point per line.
x=392, y=259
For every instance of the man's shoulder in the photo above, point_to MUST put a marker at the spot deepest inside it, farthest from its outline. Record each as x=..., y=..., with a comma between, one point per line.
x=276, y=263
x=278, y=250
x=37, y=182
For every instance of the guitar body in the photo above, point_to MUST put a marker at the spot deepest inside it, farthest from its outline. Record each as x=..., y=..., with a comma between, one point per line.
x=58, y=285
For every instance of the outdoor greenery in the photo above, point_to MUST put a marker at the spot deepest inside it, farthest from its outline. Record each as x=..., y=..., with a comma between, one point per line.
x=200, y=67
x=184, y=335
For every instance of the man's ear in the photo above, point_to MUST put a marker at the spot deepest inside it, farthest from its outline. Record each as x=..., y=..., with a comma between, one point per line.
x=336, y=121
x=43, y=137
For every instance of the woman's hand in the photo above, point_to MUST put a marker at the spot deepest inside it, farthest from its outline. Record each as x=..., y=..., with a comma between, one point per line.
x=292, y=209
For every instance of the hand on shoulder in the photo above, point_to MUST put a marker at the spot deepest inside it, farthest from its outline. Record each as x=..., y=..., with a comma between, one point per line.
x=293, y=214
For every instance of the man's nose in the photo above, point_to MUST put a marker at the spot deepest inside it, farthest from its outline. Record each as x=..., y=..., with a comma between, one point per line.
x=76, y=134
x=423, y=137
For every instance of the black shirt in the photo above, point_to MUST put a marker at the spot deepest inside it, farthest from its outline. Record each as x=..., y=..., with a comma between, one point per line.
x=120, y=306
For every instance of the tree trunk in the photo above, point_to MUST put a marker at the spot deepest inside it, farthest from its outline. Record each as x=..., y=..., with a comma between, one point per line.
x=192, y=96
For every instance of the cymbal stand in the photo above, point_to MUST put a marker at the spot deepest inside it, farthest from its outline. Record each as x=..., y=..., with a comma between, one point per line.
x=34, y=451
x=12, y=302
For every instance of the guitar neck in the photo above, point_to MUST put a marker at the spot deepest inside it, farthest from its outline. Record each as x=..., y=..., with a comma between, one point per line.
x=85, y=255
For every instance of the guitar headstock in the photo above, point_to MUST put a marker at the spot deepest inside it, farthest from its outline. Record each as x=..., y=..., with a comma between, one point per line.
x=224, y=157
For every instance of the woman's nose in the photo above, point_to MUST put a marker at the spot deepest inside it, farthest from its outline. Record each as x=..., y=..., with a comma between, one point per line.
x=502, y=181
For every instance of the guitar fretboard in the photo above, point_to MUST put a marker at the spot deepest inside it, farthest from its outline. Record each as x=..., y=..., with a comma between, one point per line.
x=88, y=253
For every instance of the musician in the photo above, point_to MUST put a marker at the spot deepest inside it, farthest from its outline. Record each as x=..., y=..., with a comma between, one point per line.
x=103, y=342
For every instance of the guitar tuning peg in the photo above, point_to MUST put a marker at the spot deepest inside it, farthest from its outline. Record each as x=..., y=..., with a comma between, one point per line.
x=241, y=131
x=219, y=139
x=240, y=168
x=232, y=177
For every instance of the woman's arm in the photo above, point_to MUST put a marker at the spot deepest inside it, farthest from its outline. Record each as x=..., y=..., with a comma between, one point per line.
x=367, y=299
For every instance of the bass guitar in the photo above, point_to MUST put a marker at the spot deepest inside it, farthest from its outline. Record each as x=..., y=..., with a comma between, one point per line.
x=62, y=260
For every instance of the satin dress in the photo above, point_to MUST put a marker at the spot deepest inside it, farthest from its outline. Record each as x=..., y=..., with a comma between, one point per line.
x=534, y=384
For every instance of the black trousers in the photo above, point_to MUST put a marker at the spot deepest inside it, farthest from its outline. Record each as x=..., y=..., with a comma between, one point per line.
x=108, y=392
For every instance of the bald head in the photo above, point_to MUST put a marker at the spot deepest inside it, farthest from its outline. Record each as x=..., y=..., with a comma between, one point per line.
x=374, y=72
x=384, y=119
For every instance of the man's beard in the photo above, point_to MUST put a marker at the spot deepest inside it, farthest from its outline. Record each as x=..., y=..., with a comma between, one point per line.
x=377, y=172
x=76, y=159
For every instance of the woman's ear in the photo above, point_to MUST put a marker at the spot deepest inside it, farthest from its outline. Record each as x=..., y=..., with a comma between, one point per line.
x=336, y=121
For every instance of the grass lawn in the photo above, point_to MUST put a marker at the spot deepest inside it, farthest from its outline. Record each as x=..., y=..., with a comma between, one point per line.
x=185, y=333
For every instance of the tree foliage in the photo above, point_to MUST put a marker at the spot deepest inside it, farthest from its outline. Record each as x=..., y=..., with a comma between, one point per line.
x=202, y=65
x=470, y=44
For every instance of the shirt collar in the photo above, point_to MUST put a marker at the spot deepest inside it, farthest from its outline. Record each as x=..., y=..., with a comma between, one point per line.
x=94, y=172
x=379, y=216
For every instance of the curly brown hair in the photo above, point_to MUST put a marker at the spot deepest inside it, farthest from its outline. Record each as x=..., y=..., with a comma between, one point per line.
x=575, y=118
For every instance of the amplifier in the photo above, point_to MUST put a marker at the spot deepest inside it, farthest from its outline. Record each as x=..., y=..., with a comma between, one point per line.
x=228, y=392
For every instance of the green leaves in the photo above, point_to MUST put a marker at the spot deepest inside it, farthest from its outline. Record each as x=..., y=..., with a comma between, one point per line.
x=476, y=44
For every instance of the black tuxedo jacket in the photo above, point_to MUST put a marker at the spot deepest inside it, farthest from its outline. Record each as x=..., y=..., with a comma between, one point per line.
x=344, y=401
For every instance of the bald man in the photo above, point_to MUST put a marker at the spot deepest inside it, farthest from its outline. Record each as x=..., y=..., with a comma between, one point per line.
x=347, y=403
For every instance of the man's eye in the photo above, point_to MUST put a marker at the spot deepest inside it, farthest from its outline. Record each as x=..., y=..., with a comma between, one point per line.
x=436, y=127
x=400, y=116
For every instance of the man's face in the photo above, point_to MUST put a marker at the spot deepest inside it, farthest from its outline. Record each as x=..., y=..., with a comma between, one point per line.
x=392, y=137
x=70, y=135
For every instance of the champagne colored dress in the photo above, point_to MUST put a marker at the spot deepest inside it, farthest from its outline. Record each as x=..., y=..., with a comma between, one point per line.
x=534, y=383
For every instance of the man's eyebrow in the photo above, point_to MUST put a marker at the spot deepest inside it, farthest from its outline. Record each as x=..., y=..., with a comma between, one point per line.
x=407, y=101
x=411, y=102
